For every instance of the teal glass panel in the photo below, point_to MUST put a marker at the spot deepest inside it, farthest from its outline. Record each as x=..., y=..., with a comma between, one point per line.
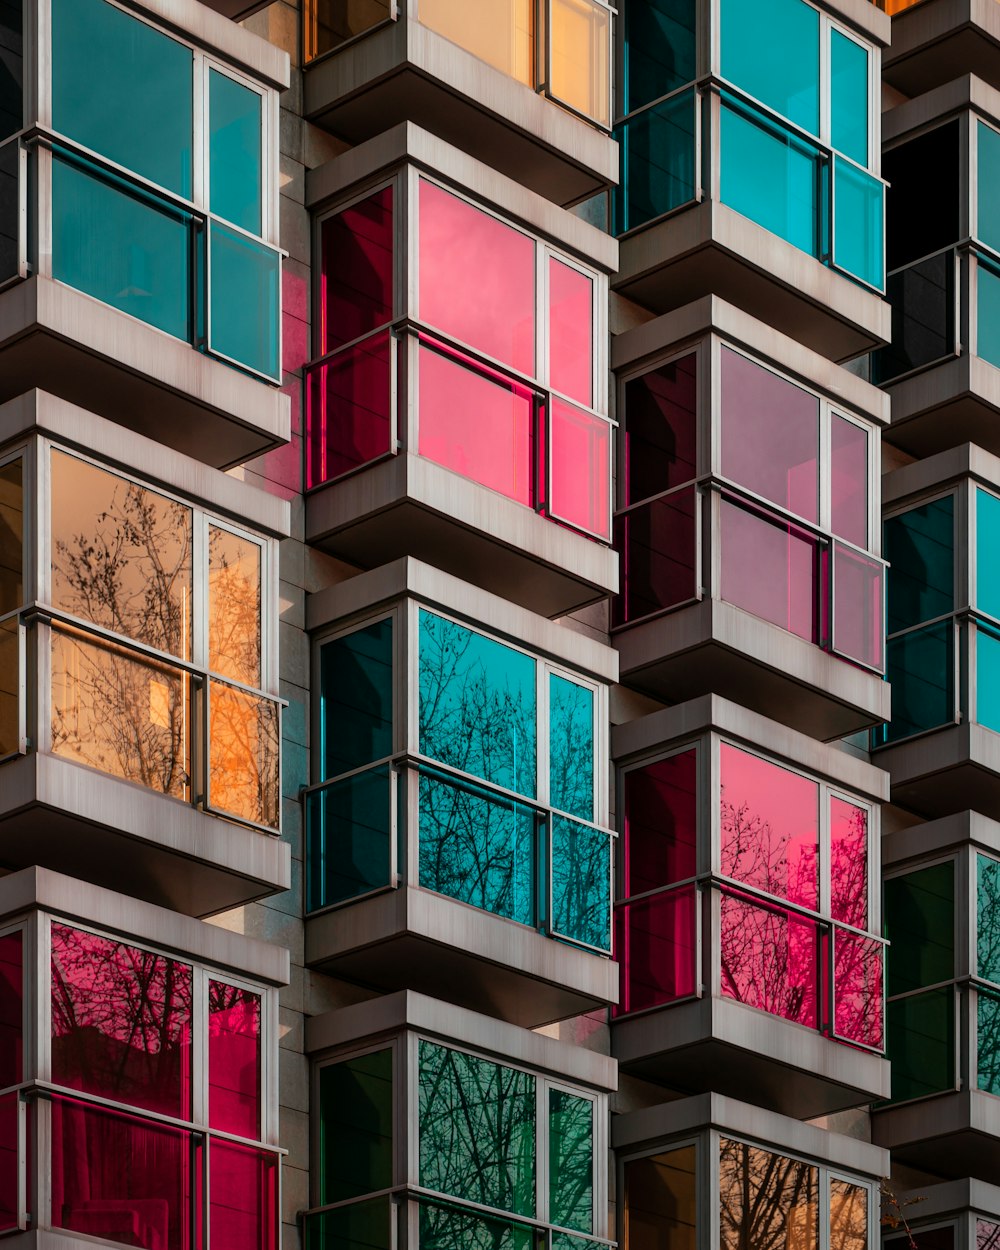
x=657, y=162
x=920, y=926
x=988, y=1042
x=356, y=699
x=478, y=847
x=769, y=176
x=988, y=678
x=476, y=1129
x=773, y=55
x=660, y=49
x=849, y=97
x=988, y=918
x=358, y=1226
x=10, y=193
x=348, y=838
x=245, y=300
x=920, y=668
x=355, y=1127
x=987, y=222
x=920, y=548
x=443, y=1227
x=124, y=90
x=987, y=597
x=235, y=176
x=920, y=1032
x=571, y=1161
x=988, y=313
x=120, y=247
x=581, y=882
x=858, y=229
x=566, y=1241
x=477, y=704
x=571, y=747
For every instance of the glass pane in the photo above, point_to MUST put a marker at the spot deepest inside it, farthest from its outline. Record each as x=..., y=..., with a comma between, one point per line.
x=11, y=242
x=919, y=546
x=857, y=988
x=243, y=1197
x=660, y=48
x=988, y=313
x=358, y=1226
x=920, y=667
x=454, y=1228
x=776, y=61
x=581, y=468
x=988, y=183
x=848, y=1215
x=245, y=286
x=858, y=629
x=581, y=60
x=571, y=747
x=988, y=918
x=349, y=409
x=920, y=925
x=769, y=827
x=9, y=1162
x=121, y=1022
x=10, y=687
x=849, y=863
x=657, y=544
x=348, y=832
x=655, y=943
x=987, y=544
x=244, y=755
x=357, y=278
x=849, y=97
x=126, y=250
x=657, y=162
x=581, y=883
x=11, y=536
x=661, y=823
x=858, y=223
x=661, y=1200
x=661, y=410
x=923, y=317
x=96, y=43
x=988, y=1042
x=234, y=606
x=571, y=332
x=920, y=1032
x=355, y=1127
x=12, y=88
x=849, y=481
x=910, y=235
x=332, y=22
x=234, y=151
x=770, y=959
x=477, y=274
x=571, y=1161
x=987, y=1235
x=766, y=1199
x=987, y=690
x=477, y=1130
x=356, y=696
x=234, y=1059
x=502, y=34
x=11, y=1007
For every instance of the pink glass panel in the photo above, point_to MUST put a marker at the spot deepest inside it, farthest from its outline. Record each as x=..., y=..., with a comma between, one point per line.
x=349, y=409
x=356, y=282
x=121, y=1022
x=581, y=469
x=243, y=1185
x=857, y=607
x=770, y=959
x=120, y=1178
x=8, y=1162
x=770, y=827
x=987, y=1236
x=655, y=945
x=661, y=823
x=770, y=569
x=770, y=435
x=660, y=429
x=477, y=279
x=849, y=863
x=857, y=988
x=11, y=998
x=657, y=544
x=849, y=481
x=233, y=1059
x=477, y=423
x=571, y=332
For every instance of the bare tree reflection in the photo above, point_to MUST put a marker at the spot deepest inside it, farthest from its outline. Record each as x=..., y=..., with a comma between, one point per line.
x=766, y=1201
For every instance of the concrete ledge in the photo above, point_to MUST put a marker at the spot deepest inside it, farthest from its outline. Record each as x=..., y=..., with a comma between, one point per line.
x=210, y=25
x=954, y=1135
x=945, y=771
x=939, y=40
x=957, y=401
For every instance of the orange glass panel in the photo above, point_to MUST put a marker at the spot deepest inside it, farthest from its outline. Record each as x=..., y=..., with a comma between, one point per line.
x=500, y=33
x=243, y=755
x=11, y=537
x=892, y=7
x=10, y=681
x=848, y=1216
x=661, y=1201
x=581, y=65
x=766, y=1199
x=234, y=594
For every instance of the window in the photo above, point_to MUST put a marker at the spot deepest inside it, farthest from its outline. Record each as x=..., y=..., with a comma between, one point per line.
x=12, y=596
x=988, y=970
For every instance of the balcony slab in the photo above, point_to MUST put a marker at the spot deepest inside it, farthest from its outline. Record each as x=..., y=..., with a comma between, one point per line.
x=954, y=1135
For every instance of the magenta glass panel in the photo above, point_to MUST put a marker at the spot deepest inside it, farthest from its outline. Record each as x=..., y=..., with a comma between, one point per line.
x=770, y=959
x=11, y=999
x=858, y=625
x=121, y=1178
x=233, y=1059
x=660, y=417
x=571, y=332
x=121, y=1022
x=356, y=280
x=661, y=823
x=657, y=543
x=770, y=435
x=349, y=409
x=477, y=279
x=770, y=569
x=476, y=422
x=655, y=945
x=857, y=988
x=849, y=481
x=849, y=863
x=8, y=1162
x=581, y=469
x=243, y=1191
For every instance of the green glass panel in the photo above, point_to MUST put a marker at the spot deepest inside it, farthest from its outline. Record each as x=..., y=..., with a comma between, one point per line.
x=920, y=669
x=566, y=1241
x=773, y=55
x=245, y=277
x=356, y=698
x=988, y=918
x=988, y=1042
x=124, y=90
x=920, y=1032
x=571, y=1161
x=920, y=924
x=858, y=229
x=234, y=152
x=121, y=248
x=919, y=546
x=657, y=162
x=581, y=882
x=660, y=49
x=987, y=678
x=11, y=67
x=355, y=1128
x=477, y=704
x=987, y=223
x=10, y=200
x=358, y=1226
x=988, y=313
x=348, y=838
x=849, y=97
x=987, y=552
x=453, y=1228
x=477, y=1130
x=571, y=747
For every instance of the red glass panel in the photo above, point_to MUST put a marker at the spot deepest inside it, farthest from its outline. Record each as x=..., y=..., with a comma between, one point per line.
x=858, y=625
x=477, y=423
x=121, y=1022
x=849, y=481
x=581, y=469
x=356, y=280
x=121, y=1178
x=243, y=1191
x=657, y=544
x=11, y=1000
x=571, y=332
x=770, y=435
x=857, y=988
x=661, y=823
x=8, y=1162
x=770, y=959
x=655, y=945
x=849, y=863
x=233, y=1059
x=770, y=827
x=661, y=429
x=477, y=279
x=769, y=569
x=349, y=409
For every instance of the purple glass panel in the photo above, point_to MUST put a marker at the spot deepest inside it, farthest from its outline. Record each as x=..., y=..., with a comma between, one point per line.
x=233, y=1059
x=987, y=1235
x=770, y=569
x=660, y=429
x=11, y=999
x=655, y=945
x=243, y=1185
x=858, y=625
x=477, y=279
x=770, y=435
x=349, y=409
x=476, y=422
x=571, y=332
x=849, y=863
x=857, y=988
x=849, y=481
x=661, y=823
x=657, y=543
x=770, y=959
x=581, y=469
x=770, y=827
x=8, y=1162
x=356, y=281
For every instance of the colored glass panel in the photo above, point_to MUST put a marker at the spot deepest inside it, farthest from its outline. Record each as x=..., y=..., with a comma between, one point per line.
x=923, y=316
x=849, y=97
x=987, y=312
x=580, y=72
x=657, y=159
x=12, y=88
x=502, y=34
x=987, y=1235
x=987, y=689
x=920, y=926
x=660, y=49
x=766, y=1199
x=571, y=332
x=571, y=1161
x=920, y=668
x=919, y=546
x=357, y=279
x=848, y=1215
x=13, y=241
x=10, y=687
x=11, y=1008
x=775, y=61
x=655, y=943
x=661, y=436
x=11, y=536
x=988, y=1042
x=661, y=1200
x=657, y=544
x=858, y=223
x=356, y=693
x=234, y=606
x=349, y=409
x=849, y=481
x=661, y=823
x=348, y=838
x=920, y=1031
x=444, y=1227
x=988, y=918
x=849, y=863
x=10, y=1156
x=988, y=185
x=243, y=1197
x=234, y=1059
x=235, y=160
x=244, y=755
x=245, y=300
x=331, y=23
x=580, y=459
x=857, y=988
x=580, y=874
x=571, y=747
x=858, y=629
x=357, y=1226
x=987, y=546
x=355, y=1127
x=770, y=959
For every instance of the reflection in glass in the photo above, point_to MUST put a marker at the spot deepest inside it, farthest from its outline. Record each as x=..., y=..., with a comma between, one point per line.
x=349, y=409
x=988, y=918
x=11, y=1005
x=571, y=1161
x=355, y=1127
x=769, y=959
x=329, y=23
x=857, y=982
x=987, y=1235
x=657, y=151
x=348, y=831
x=502, y=34
x=849, y=863
x=243, y=759
x=988, y=1042
x=580, y=37
x=243, y=1197
x=655, y=942
x=444, y=1227
x=356, y=698
x=571, y=747
x=766, y=1201
x=11, y=536
x=234, y=1059
x=661, y=1200
x=848, y=1215
x=234, y=606
x=581, y=882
